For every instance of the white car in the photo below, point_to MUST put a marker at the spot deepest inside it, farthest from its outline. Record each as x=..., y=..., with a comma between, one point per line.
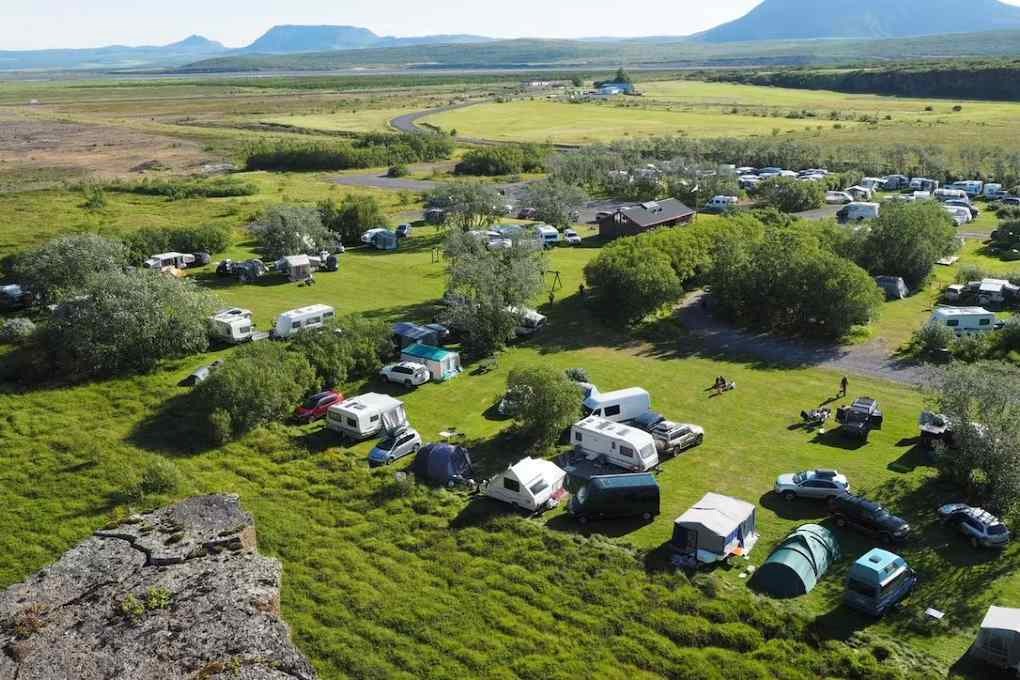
x=406, y=373
x=961, y=216
x=571, y=237
x=838, y=198
x=395, y=447
x=369, y=236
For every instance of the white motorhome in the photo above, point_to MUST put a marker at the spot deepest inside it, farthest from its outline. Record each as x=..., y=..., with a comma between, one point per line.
x=232, y=325
x=950, y=194
x=164, y=260
x=532, y=484
x=965, y=320
x=620, y=445
x=858, y=212
x=367, y=415
x=296, y=320
x=619, y=406
x=721, y=203
x=972, y=187
x=549, y=236
x=992, y=189
x=873, y=183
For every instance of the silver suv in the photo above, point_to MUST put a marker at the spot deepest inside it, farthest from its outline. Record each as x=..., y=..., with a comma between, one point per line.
x=673, y=437
x=820, y=484
x=395, y=447
x=982, y=528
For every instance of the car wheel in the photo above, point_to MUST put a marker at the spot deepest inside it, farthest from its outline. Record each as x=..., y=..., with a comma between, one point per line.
x=789, y=496
x=699, y=439
x=407, y=383
x=646, y=516
x=974, y=543
x=415, y=449
x=840, y=521
x=389, y=461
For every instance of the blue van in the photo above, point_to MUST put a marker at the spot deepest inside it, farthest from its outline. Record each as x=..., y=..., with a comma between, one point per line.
x=878, y=581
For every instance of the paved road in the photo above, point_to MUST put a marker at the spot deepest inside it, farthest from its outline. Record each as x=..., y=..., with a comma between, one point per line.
x=869, y=360
x=408, y=121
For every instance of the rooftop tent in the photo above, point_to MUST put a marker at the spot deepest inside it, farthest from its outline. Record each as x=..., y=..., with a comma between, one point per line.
x=998, y=641
x=443, y=464
x=799, y=562
x=410, y=333
x=894, y=287
x=716, y=527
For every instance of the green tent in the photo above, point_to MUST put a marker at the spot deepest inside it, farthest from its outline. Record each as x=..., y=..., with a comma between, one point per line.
x=797, y=564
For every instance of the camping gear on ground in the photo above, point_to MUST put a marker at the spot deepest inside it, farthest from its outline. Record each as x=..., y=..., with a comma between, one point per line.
x=616, y=496
x=443, y=364
x=878, y=581
x=816, y=417
x=713, y=530
x=531, y=484
x=799, y=562
x=620, y=445
x=248, y=271
x=860, y=418
x=998, y=640
x=367, y=415
x=444, y=464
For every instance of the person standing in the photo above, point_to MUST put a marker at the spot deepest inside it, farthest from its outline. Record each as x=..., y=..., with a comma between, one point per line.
x=844, y=385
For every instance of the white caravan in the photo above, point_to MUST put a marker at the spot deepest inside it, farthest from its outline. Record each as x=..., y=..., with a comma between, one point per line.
x=232, y=325
x=992, y=189
x=721, y=203
x=532, y=484
x=549, y=236
x=972, y=187
x=965, y=320
x=367, y=415
x=620, y=445
x=858, y=212
x=958, y=214
x=290, y=323
x=619, y=406
x=164, y=260
x=950, y=195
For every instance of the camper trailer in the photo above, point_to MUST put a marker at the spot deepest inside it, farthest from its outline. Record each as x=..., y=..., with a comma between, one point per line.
x=721, y=204
x=965, y=320
x=619, y=406
x=944, y=195
x=716, y=528
x=998, y=640
x=923, y=184
x=616, y=497
x=878, y=581
x=367, y=415
x=548, y=236
x=858, y=212
x=530, y=322
x=443, y=364
x=860, y=193
x=232, y=326
x=625, y=447
x=531, y=484
x=171, y=260
x=297, y=267
x=992, y=190
x=973, y=188
x=290, y=323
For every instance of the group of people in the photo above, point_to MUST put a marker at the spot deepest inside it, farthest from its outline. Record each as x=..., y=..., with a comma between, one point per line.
x=723, y=385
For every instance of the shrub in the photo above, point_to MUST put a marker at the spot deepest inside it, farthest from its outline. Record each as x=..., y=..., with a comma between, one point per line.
x=158, y=598
x=159, y=476
x=60, y=268
x=354, y=216
x=578, y=375
x=551, y=406
x=16, y=331
x=972, y=348
x=631, y=280
x=223, y=187
x=147, y=241
x=355, y=352
x=291, y=229
x=791, y=195
x=931, y=339
x=131, y=608
x=367, y=151
x=399, y=170
x=503, y=160
x=906, y=241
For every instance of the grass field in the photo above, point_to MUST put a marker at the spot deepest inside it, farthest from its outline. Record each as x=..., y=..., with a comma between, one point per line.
x=362, y=120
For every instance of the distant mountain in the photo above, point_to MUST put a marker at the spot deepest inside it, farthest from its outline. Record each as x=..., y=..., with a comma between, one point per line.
x=114, y=56
x=810, y=19
x=298, y=39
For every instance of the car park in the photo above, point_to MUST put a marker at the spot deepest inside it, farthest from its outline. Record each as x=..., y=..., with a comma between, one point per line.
x=849, y=510
x=394, y=447
x=316, y=406
x=818, y=484
x=407, y=373
x=981, y=528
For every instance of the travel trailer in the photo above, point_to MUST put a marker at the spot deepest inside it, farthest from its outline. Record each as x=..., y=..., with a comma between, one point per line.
x=531, y=484
x=233, y=326
x=297, y=267
x=173, y=260
x=290, y=323
x=858, y=212
x=549, y=236
x=530, y=321
x=367, y=415
x=721, y=204
x=965, y=320
x=972, y=187
x=619, y=406
x=949, y=194
x=620, y=445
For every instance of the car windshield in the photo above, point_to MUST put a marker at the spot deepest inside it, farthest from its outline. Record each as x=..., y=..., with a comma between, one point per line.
x=997, y=529
x=387, y=444
x=799, y=477
x=311, y=402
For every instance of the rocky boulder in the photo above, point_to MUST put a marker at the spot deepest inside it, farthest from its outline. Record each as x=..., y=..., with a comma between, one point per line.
x=179, y=593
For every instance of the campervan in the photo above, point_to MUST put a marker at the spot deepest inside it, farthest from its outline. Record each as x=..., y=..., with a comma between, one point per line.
x=619, y=406
x=965, y=320
x=721, y=204
x=367, y=415
x=858, y=212
x=616, y=496
x=164, y=260
x=531, y=484
x=290, y=323
x=972, y=187
x=923, y=184
x=232, y=325
x=878, y=581
x=992, y=189
x=620, y=445
x=549, y=236
x=950, y=194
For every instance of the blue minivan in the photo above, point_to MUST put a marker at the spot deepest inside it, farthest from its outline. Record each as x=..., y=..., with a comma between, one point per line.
x=878, y=581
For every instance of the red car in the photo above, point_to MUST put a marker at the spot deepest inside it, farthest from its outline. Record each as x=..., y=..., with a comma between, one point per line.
x=316, y=406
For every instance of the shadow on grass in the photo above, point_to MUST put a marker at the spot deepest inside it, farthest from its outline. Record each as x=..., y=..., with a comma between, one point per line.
x=799, y=510
x=840, y=623
x=612, y=528
x=177, y=429
x=973, y=669
x=916, y=456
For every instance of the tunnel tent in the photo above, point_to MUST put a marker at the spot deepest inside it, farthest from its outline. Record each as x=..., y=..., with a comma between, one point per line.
x=799, y=562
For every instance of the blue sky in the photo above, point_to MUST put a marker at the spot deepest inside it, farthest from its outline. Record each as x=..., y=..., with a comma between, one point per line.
x=40, y=24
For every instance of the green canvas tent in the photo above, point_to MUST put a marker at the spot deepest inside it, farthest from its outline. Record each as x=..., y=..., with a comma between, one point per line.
x=799, y=562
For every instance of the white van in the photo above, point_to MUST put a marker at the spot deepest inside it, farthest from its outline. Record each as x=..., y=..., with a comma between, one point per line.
x=532, y=484
x=232, y=325
x=721, y=203
x=950, y=195
x=549, y=236
x=620, y=445
x=619, y=406
x=296, y=320
x=857, y=212
x=965, y=320
x=367, y=415
x=959, y=215
x=164, y=260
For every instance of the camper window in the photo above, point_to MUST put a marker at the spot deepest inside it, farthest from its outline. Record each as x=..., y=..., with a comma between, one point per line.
x=374, y=419
x=351, y=422
x=996, y=644
x=578, y=437
x=612, y=411
x=538, y=487
x=296, y=324
x=511, y=484
x=315, y=320
x=953, y=323
x=328, y=315
x=985, y=322
x=626, y=451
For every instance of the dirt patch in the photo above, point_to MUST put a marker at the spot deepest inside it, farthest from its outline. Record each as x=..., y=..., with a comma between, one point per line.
x=99, y=150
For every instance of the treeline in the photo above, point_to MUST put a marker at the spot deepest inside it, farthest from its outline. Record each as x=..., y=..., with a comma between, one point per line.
x=223, y=187
x=503, y=160
x=368, y=151
x=204, y=238
x=994, y=80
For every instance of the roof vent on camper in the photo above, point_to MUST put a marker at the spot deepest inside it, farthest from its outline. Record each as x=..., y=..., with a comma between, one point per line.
x=651, y=206
x=357, y=405
x=874, y=559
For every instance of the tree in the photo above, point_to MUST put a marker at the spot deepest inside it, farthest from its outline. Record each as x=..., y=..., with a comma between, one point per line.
x=906, y=240
x=126, y=322
x=503, y=160
x=291, y=229
x=353, y=348
x=981, y=402
x=468, y=205
x=488, y=290
x=577, y=81
x=354, y=216
x=551, y=405
x=60, y=269
x=622, y=76
x=792, y=195
x=554, y=201
x=259, y=384
x=631, y=279
x=147, y=241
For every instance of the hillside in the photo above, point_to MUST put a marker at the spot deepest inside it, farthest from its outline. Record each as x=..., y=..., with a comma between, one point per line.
x=294, y=39
x=113, y=56
x=812, y=19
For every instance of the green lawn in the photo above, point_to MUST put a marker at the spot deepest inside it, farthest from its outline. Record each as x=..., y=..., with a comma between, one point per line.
x=361, y=120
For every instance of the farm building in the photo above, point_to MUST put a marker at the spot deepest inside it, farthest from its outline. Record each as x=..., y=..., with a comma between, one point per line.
x=799, y=562
x=442, y=364
x=637, y=219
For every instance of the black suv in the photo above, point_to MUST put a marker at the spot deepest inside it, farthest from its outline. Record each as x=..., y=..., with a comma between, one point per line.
x=860, y=418
x=860, y=513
